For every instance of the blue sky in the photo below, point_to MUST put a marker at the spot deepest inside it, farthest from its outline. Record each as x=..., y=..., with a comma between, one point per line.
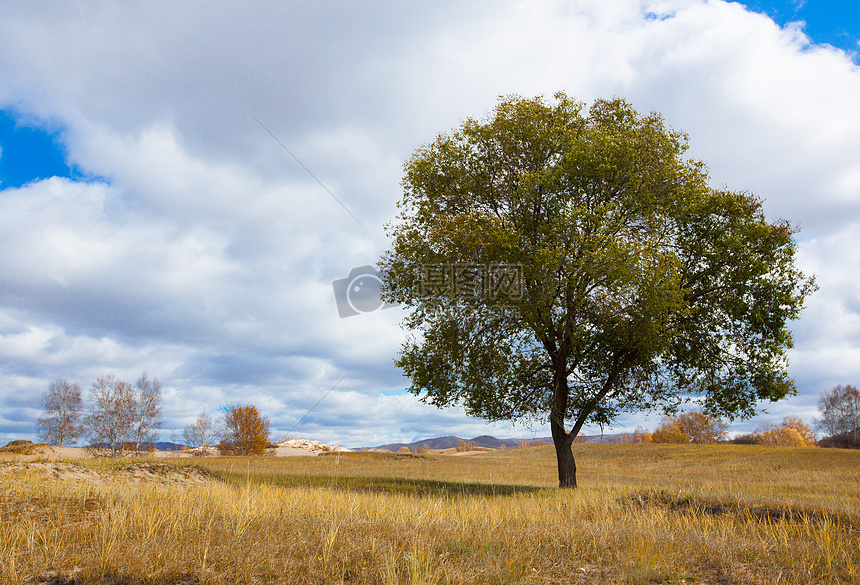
x=833, y=22
x=29, y=153
x=149, y=223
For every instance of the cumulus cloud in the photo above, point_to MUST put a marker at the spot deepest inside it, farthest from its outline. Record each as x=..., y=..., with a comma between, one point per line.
x=200, y=251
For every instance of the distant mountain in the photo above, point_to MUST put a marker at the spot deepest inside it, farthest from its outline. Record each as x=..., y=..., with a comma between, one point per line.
x=169, y=446
x=485, y=441
x=160, y=445
x=451, y=442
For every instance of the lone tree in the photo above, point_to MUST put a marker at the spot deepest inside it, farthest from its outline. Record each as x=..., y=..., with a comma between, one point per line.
x=573, y=265
x=62, y=422
x=245, y=431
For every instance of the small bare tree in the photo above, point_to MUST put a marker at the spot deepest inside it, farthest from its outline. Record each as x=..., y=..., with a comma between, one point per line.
x=112, y=416
x=840, y=411
x=62, y=422
x=147, y=413
x=201, y=432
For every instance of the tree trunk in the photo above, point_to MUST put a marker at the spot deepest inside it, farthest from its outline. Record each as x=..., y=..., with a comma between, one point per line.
x=564, y=456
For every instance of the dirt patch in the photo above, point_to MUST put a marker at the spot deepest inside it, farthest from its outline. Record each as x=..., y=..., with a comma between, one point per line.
x=165, y=473
x=75, y=577
x=136, y=473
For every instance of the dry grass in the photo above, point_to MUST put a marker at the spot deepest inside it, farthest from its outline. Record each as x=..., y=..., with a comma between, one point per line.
x=645, y=514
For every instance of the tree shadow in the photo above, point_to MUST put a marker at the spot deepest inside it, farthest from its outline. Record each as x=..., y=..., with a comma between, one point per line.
x=388, y=485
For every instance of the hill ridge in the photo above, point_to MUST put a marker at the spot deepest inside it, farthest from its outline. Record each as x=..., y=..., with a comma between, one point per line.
x=487, y=441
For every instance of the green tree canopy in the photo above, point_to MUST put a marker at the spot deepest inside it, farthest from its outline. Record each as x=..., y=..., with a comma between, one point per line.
x=572, y=264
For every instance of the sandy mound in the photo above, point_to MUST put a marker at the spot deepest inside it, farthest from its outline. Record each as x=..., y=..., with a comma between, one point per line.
x=164, y=473
x=136, y=473
x=205, y=451
x=24, y=448
x=308, y=445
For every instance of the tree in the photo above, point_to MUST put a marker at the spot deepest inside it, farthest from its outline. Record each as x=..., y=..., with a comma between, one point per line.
x=463, y=446
x=113, y=412
x=792, y=432
x=122, y=414
x=245, y=431
x=841, y=441
x=640, y=435
x=201, y=432
x=840, y=412
x=780, y=437
x=569, y=266
x=795, y=423
x=62, y=422
x=747, y=439
x=147, y=414
x=670, y=432
x=691, y=427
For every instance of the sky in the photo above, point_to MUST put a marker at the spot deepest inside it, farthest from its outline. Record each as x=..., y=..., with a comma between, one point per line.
x=182, y=183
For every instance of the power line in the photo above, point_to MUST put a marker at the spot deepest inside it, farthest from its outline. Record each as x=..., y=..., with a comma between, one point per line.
x=320, y=400
x=345, y=208
x=307, y=170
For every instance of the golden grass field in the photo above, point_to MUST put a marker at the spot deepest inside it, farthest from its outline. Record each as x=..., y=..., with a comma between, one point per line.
x=644, y=514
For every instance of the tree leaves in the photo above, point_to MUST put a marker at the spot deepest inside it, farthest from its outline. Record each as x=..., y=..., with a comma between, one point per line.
x=642, y=285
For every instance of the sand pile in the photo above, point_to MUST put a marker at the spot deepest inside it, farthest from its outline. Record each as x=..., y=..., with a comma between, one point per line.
x=313, y=446
x=24, y=448
x=137, y=473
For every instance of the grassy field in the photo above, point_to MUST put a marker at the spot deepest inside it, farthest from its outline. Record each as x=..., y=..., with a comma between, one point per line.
x=644, y=514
